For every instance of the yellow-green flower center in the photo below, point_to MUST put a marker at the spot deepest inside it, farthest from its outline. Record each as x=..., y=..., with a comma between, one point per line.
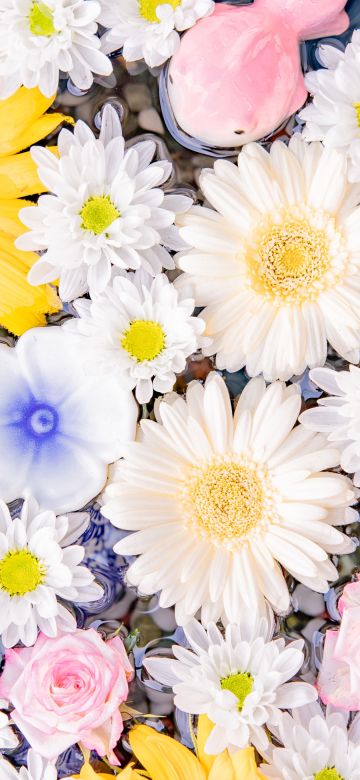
x=21, y=572
x=148, y=8
x=98, y=213
x=144, y=340
x=357, y=112
x=241, y=685
x=41, y=20
x=329, y=773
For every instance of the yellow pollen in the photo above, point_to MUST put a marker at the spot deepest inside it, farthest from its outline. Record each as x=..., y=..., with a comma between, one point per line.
x=294, y=259
x=98, y=213
x=240, y=684
x=41, y=20
x=144, y=340
x=329, y=773
x=357, y=111
x=148, y=8
x=225, y=500
x=21, y=572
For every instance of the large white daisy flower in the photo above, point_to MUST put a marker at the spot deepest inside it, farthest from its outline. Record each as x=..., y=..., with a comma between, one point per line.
x=39, y=39
x=338, y=415
x=106, y=208
x=140, y=330
x=315, y=746
x=217, y=502
x=8, y=738
x=38, y=563
x=333, y=116
x=148, y=29
x=277, y=265
x=240, y=681
x=37, y=769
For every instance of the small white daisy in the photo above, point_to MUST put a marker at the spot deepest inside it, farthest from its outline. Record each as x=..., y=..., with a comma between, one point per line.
x=140, y=330
x=277, y=264
x=240, y=681
x=37, y=769
x=338, y=415
x=39, y=39
x=333, y=116
x=8, y=738
x=106, y=208
x=37, y=565
x=315, y=746
x=148, y=29
x=217, y=502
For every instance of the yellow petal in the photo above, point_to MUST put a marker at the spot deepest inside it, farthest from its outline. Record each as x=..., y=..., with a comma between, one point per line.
x=21, y=305
x=9, y=216
x=18, y=176
x=32, y=133
x=21, y=118
x=245, y=767
x=222, y=768
x=164, y=758
x=88, y=773
x=204, y=728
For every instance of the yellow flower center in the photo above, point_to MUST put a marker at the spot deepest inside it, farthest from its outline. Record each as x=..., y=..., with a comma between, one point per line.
x=357, y=111
x=240, y=685
x=295, y=258
x=227, y=499
x=148, y=8
x=41, y=20
x=21, y=572
x=329, y=773
x=144, y=340
x=98, y=213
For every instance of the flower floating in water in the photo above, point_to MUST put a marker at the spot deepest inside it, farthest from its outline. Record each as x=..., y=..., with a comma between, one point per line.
x=277, y=265
x=68, y=690
x=149, y=29
x=22, y=122
x=38, y=563
x=141, y=330
x=217, y=501
x=339, y=676
x=338, y=416
x=42, y=37
x=240, y=680
x=107, y=209
x=315, y=747
x=333, y=116
x=37, y=769
x=59, y=428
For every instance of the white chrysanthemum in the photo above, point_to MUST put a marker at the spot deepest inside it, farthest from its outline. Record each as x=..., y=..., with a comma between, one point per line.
x=106, y=208
x=37, y=565
x=148, y=29
x=37, y=769
x=277, y=265
x=217, y=502
x=315, y=747
x=8, y=738
x=39, y=39
x=139, y=330
x=338, y=416
x=333, y=116
x=240, y=681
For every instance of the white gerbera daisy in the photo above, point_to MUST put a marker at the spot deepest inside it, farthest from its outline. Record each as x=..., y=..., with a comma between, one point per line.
x=140, y=330
x=338, y=416
x=35, y=569
x=334, y=114
x=148, y=29
x=240, y=681
x=217, y=502
x=39, y=39
x=277, y=265
x=315, y=747
x=37, y=769
x=107, y=208
x=8, y=738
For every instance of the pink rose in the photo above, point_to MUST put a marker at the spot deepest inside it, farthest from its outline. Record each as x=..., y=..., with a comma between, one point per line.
x=339, y=677
x=66, y=690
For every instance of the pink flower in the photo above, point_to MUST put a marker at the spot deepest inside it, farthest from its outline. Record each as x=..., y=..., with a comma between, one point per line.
x=339, y=677
x=66, y=690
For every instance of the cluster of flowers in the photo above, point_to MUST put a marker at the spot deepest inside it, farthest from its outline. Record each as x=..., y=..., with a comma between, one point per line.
x=220, y=505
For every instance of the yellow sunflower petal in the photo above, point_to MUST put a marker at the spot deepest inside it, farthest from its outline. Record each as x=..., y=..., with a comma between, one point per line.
x=33, y=133
x=22, y=121
x=222, y=768
x=88, y=773
x=245, y=767
x=18, y=176
x=204, y=728
x=164, y=758
x=9, y=216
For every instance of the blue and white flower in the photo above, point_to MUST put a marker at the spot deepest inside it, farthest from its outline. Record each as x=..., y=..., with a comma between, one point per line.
x=59, y=428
